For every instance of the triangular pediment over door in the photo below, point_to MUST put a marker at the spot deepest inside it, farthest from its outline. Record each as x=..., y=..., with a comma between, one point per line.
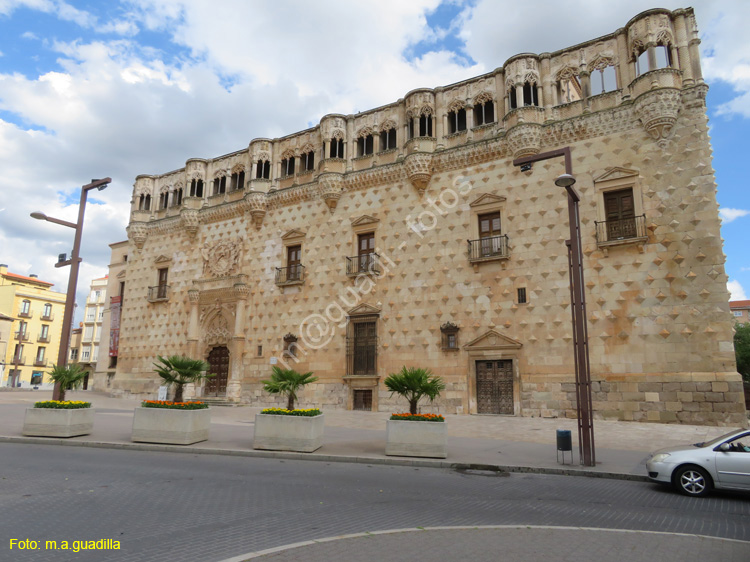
x=492, y=340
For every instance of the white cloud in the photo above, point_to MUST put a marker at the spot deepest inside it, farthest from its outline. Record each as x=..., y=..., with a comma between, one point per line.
x=728, y=214
x=736, y=292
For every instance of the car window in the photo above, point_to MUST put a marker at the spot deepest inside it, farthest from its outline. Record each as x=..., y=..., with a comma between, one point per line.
x=741, y=444
x=719, y=439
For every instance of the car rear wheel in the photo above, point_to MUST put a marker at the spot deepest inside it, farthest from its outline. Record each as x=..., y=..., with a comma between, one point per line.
x=692, y=481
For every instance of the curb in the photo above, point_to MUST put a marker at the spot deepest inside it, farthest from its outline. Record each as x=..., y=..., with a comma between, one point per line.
x=421, y=463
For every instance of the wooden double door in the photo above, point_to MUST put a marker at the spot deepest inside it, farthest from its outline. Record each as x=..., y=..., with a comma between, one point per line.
x=495, y=386
x=218, y=358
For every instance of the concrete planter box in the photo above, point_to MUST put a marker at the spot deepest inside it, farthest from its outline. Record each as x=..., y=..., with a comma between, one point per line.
x=416, y=439
x=173, y=427
x=288, y=433
x=48, y=422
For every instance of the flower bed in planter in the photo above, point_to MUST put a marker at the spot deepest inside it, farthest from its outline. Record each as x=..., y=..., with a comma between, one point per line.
x=420, y=435
x=58, y=419
x=172, y=423
x=277, y=429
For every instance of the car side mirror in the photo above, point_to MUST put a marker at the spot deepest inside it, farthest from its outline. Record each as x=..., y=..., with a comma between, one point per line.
x=725, y=447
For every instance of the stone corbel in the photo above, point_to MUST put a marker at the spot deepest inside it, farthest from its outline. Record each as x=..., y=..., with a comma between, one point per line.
x=419, y=170
x=657, y=111
x=331, y=187
x=256, y=204
x=138, y=231
x=189, y=221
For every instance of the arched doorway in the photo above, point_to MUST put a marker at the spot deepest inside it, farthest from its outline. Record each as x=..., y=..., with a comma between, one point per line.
x=218, y=358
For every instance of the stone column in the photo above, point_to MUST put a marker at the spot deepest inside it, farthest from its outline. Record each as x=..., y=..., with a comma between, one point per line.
x=547, y=89
x=539, y=96
x=193, y=330
x=236, y=370
x=469, y=122
x=622, y=68
x=585, y=88
x=520, y=102
x=695, y=59
x=683, y=55
x=651, y=50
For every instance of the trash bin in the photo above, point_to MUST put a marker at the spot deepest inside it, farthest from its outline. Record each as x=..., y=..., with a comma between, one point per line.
x=564, y=443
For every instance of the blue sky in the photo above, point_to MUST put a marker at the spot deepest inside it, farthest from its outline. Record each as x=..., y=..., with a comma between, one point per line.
x=91, y=89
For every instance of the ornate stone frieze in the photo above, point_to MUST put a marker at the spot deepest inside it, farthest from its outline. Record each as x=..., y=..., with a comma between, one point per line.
x=419, y=169
x=658, y=111
x=223, y=258
x=525, y=139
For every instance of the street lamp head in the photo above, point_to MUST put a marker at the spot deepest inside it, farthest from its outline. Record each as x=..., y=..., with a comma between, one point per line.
x=565, y=180
x=38, y=216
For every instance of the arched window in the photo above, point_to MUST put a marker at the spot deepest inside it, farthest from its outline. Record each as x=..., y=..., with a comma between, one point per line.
x=163, y=200
x=456, y=120
x=364, y=145
x=603, y=77
x=337, y=148
x=177, y=197
x=530, y=95
x=47, y=311
x=287, y=167
x=196, y=188
x=263, y=170
x=568, y=86
x=25, y=308
x=425, y=125
x=388, y=139
x=484, y=113
x=220, y=185
x=307, y=161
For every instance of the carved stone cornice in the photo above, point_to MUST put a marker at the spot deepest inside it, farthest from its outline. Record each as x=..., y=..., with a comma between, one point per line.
x=525, y=139
x=222, y=289
x=330, y=188
x=137, y=232
x=190, y=221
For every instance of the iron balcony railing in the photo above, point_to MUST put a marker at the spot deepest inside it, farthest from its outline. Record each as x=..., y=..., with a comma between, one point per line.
x=368, y=264
x=43, y=338
x=48, y=317
x=158, y=293
x=290, y=275
x=493, y=247
x=621, y=229
x=25, y=314
x=19, y=360
x=21, y=335
x=40, y=362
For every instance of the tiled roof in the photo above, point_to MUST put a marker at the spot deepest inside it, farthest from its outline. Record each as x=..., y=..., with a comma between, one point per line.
x=739, y=304
x=29, y=279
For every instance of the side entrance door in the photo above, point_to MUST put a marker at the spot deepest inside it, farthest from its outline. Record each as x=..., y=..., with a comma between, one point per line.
x=218, y=358
x=495, y=387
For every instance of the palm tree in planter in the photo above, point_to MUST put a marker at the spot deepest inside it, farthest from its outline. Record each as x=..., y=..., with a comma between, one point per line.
x=69, y=377
x=288, y=430
x=180, y=370
x=287, y=382
x=415, y=435
x=413, y=383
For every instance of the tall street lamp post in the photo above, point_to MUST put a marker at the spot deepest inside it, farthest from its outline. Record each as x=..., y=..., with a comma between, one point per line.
x=586, y=448
x=74, y=263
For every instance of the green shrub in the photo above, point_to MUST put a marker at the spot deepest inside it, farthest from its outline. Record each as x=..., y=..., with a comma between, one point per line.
x=413, y=383
x=173, y=405
x=306, y=413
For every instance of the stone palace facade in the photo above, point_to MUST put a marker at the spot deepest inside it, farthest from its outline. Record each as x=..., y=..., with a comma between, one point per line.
x=405, y=235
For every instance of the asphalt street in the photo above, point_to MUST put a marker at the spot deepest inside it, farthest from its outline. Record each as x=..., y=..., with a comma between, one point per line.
x=165, y=506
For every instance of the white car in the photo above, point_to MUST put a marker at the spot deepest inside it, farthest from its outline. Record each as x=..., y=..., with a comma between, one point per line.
x=723, y=464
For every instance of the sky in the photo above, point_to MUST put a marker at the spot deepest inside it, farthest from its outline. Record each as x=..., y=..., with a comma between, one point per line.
x=91, y=89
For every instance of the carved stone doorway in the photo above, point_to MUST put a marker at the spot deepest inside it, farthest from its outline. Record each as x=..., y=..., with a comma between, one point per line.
x=218, y=358
x=495, y=387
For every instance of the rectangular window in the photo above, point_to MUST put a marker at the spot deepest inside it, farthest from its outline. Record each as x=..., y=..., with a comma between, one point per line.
x=73, y=354
x=45, y=332
x=738, y=313
x=161, y=292
x=293, y=263
x=260, y=351
x=88, y=333
x=522, y=295
x=491, y=241
x=113, y=361
x=85, y=355
x=362, y=347
x=619, y=208
x=40, y=354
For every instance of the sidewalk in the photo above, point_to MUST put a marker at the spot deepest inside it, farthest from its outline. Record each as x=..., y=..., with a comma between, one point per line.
x=507, y=443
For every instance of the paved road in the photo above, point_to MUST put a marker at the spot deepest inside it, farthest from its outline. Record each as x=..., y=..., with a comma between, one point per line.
x=164, y=506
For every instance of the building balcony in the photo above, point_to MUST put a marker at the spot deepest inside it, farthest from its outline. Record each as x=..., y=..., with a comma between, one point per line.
x=25, y=314
x=364, y=264
x=631, y=230
x=47, y=317
x=489, y=249
x=159, y=293
x=292, y=275
x=40, y=362
x=43, y=339
x=21, y=336
x=18, y=360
